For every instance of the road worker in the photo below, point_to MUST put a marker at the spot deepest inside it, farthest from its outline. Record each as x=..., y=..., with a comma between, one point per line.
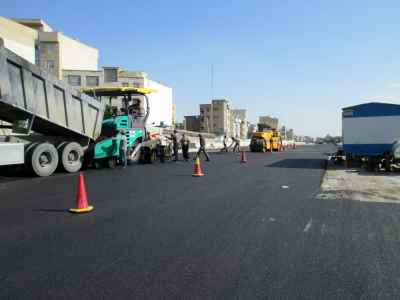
x=123, y=148
x=174, y=139
x=225, y=142
x=236, y=146
x=202, y=148
x=185, y=147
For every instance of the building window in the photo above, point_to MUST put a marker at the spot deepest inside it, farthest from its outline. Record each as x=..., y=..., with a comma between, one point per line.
x=51, y=65
x=37, y=55
x=92, y=80
x=48, y=47
x=110, y=75
x=125, y=84
x=136, y=85
x=74, y=80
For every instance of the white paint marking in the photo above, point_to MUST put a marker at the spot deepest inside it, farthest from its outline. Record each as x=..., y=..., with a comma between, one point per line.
x=272, y=219
x=285, y=186
x=323, y=229
x=308, y=226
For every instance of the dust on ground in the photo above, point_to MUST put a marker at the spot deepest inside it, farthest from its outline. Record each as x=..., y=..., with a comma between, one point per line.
x=360, y=185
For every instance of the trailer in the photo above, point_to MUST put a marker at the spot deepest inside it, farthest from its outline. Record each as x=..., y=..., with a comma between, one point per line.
x=370, y=132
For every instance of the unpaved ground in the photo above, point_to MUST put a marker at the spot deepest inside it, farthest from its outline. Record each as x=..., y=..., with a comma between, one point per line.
x=360, y=185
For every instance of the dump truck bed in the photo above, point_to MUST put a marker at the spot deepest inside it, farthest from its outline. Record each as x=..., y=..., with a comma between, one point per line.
x=58, y=109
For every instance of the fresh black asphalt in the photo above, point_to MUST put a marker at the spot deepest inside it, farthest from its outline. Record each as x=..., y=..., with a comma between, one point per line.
x=236, y=233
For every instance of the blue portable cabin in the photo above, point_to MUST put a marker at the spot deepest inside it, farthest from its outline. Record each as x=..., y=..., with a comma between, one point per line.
x=370, y=129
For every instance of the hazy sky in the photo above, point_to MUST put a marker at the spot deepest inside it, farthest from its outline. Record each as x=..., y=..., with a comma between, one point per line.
x=301, y=61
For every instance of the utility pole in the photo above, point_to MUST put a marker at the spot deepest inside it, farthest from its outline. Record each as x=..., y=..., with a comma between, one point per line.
x=212, y=81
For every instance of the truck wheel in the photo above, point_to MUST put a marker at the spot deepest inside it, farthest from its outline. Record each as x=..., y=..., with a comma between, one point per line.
x=153, y=156
x=71, y=157
x=97, y=164
x=43, y=159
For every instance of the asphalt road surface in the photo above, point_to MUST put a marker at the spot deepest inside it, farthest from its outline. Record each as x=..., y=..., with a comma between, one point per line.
x=244, y=231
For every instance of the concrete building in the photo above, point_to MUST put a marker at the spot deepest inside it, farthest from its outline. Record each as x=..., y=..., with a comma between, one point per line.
x=19, y=38
x=221, y=116
x=244, y=128
x=192, y=123
x=239, y=123
x=283, y=132
x=216, y=117
x=53, y=51
x=206, y=118
x=240, y=113
x=58, y=52
x=36, y=24
x=270, y=121
x=251, y=130
x=290, y=134
x=161, y=103
x=174, y=122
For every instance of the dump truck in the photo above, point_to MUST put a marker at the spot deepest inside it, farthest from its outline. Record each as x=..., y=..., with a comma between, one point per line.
x=265, y=139
x=47, y=124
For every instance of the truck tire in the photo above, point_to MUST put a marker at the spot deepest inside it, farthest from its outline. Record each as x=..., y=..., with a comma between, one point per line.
x=43, y=159
x=153, y=156
x=71, y=157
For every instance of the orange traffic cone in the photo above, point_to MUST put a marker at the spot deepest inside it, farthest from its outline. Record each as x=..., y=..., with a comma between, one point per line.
x=243, y=158
x=197, y=168
x=82, y=205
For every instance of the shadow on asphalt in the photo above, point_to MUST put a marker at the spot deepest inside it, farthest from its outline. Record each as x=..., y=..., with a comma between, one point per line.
x=292, y=163
x=9, y=173
x=52, y=210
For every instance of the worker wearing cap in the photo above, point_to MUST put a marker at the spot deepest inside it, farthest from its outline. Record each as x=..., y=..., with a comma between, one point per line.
x=185, y=147
x=202, y=148
x=123, y=148
x=236, y=146
x=174, y=140
x=224, y=142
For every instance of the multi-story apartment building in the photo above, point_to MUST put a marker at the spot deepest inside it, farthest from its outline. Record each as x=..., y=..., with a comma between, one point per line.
x=192, y=123
x=239, y=123
x=53, y=51
x=206, y=119
x=215, y=117
x=270, y=121
x=221, y=117
x=19, y=38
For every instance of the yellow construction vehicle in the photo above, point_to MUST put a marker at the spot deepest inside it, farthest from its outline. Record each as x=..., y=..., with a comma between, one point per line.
x=266, y=139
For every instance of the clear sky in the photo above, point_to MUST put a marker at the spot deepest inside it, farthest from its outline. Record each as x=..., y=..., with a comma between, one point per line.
x=301, y=61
